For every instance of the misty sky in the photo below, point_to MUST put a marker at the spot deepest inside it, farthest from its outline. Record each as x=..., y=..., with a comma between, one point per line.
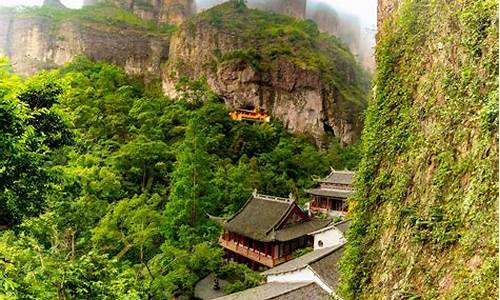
x=366, y=10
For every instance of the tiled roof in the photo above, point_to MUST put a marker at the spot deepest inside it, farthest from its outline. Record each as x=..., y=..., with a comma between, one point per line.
x=344, y=194
x=281, y=291
x=297, y=230
x=260, y=216
x=342, y=226
x=340, y=177
x=204, y=288
x=327, y=268
x=311, y=291
x=302, y=261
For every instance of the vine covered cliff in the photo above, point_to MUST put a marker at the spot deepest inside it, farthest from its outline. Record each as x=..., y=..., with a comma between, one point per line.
x=425, y=211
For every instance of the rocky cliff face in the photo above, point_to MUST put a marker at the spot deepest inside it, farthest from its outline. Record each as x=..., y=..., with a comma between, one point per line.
x=162, y=11
x=34, y=43
x=53, y=3
x=311, y=84
x=300, y=97
x=292, y=8
x=384, y=10
x=346, y=27
x=425, y=212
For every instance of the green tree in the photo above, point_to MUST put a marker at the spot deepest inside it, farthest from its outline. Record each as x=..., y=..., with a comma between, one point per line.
x=131, y=224
x=191, y=193
x=32, y=128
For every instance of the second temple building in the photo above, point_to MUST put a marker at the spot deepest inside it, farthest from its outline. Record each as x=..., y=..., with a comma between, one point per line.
x=330, y=196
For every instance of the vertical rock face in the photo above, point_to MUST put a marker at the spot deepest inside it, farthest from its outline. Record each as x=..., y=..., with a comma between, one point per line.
x=309, y=90
x=425, y=211
x=298, y=97
x=176, y=11
x=36, y=43
x=293, y=8
x=162, y=11
x=6, y=37
x=346, y=27
x=53, y=3
x=384, y=10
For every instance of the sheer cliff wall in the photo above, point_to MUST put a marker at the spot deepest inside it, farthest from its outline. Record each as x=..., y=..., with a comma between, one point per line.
x=425, y=213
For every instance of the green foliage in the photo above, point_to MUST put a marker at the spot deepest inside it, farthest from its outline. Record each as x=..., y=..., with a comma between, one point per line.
x=271, y=38
x=111, y=186
x=101, y=13
x=300, y=252
x=239, y=4
x=251, y=56
x=32, y=129
x=191, y=194
x=427, y=184
x=240, y=277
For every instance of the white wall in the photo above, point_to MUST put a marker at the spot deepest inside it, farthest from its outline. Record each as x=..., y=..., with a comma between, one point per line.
x=329, y=238
x=301, y=275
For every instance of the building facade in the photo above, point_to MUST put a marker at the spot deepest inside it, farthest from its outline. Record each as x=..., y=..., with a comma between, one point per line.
x=331, y=194
x=319, y=266
x=330, y=236
x=267, y=230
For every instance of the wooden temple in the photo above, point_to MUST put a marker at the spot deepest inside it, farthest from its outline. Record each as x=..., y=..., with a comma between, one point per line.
x=330, y=196
x=254, y=115
x=267, y=230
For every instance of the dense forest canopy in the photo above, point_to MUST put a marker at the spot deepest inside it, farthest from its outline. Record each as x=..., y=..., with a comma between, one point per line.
x=106, y=185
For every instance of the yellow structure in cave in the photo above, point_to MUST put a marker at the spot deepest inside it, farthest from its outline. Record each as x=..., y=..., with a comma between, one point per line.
x=255, y=115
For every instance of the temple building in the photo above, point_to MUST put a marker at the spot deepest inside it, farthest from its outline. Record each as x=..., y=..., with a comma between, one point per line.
x=331, y=194
x=267, y=230
x=253, y=115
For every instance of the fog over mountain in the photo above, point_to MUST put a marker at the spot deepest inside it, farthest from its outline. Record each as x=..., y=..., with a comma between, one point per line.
x=353, y=23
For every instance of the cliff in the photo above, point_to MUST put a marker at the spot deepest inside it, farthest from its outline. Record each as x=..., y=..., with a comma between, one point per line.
x=425, y=212
x=346, y=27
x=252, y=58
x=292, y=8
x=53, y=3
x=259, y=59
x=162, y=11
x=46, y=38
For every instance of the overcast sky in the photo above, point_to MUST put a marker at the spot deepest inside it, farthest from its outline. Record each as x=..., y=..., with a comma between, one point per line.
x=366, y=10
x=67, y=3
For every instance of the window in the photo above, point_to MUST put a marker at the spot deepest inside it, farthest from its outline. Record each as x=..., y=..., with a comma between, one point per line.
x=320, y=243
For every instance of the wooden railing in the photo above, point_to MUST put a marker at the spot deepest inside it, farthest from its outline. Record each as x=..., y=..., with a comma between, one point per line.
x=323, y=210
x=253, y=254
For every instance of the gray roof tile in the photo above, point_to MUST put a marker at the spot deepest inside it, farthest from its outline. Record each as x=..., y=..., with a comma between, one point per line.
x=303, y=261
x=259, y=218
x=343, y=194
x=340, y=177
x=281, y=291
